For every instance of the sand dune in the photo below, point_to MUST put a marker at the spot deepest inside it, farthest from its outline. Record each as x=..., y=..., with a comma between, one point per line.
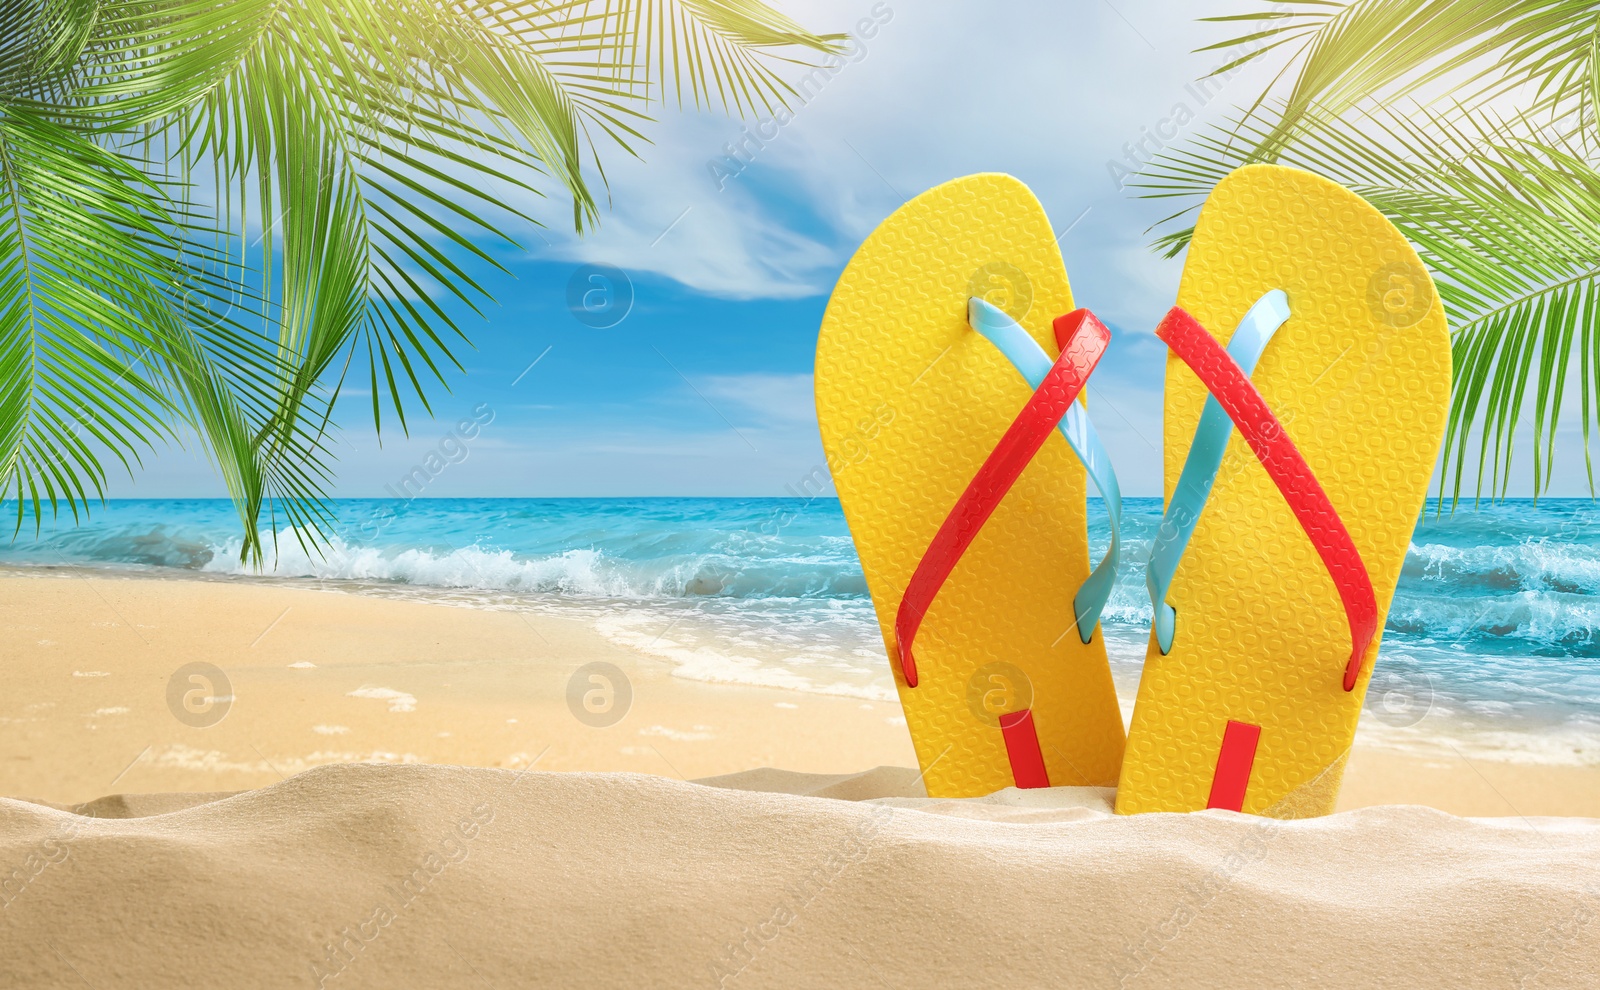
x=431, y=876
x=312, y=673
x=401, y=876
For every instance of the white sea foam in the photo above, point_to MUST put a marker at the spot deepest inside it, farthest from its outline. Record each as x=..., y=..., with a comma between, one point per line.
x=190, y=758
x=586, y=572
x=1499, y=611
x=1543, y=619
x=398, y=701
x=677, y=735
x=724, y=649
x=1529, y=565
x=1440, y=736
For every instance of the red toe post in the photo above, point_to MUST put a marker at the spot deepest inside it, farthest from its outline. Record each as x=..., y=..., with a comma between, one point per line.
x=1277, y=453
x=1086, y=340
x=1022, y=749
x=1234, y=763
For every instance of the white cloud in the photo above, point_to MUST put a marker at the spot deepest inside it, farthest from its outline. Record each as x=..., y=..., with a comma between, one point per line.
x=1050, y=92
x=938, y=93
x=767, y=398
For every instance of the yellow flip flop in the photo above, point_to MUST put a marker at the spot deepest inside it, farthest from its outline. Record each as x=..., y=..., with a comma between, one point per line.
x=937, y=385
x=1270, y=602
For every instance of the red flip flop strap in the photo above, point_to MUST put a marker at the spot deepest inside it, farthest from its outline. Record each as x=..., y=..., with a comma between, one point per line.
x=1086, y=342
x=1278, y=454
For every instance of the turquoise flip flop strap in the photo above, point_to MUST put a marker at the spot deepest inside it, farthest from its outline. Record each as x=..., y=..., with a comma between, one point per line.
x=1033, y=363
x=1269, y=313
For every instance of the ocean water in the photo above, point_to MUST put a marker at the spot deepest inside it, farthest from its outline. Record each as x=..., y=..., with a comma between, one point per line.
x=1492, y=644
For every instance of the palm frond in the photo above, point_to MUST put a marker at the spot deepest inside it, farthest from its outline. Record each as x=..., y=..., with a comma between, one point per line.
x=1472, y=126
x=366, y=142
x=1342, y=54
x=1507, y=217
x=40, y=44
x=717, y=49
x=80, y=276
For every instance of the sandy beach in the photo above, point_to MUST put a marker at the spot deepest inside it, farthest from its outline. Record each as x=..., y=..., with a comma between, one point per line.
x=325, y=676
x=129, y=859
x=367, y=876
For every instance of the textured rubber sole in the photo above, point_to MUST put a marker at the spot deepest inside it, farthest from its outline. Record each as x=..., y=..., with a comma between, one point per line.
x=911, y=401
x=1360, y=378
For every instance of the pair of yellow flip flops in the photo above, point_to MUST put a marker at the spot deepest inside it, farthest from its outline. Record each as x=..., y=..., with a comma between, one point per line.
x=971, y=525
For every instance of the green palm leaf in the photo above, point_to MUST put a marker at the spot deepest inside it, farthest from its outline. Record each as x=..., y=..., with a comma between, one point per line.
x=1365, y=51
x=365, y=141
x=1498, y=194
x=81, y=309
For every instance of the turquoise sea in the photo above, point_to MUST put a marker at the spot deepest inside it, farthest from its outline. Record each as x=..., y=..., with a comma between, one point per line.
x=1492, y=644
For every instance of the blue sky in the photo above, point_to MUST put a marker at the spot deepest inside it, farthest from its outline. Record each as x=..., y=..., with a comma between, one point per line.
x=704, y=387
